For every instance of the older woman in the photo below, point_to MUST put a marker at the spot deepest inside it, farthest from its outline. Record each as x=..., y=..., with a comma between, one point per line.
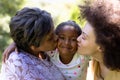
x=101, y=38
x=32, y=31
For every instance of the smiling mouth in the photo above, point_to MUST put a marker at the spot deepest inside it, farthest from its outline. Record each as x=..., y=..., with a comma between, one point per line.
x=66, y=47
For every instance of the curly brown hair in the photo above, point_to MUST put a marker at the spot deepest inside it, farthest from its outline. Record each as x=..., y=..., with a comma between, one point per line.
x=104, y=16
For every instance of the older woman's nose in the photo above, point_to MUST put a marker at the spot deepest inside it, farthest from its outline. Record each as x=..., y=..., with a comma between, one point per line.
x=79, y=39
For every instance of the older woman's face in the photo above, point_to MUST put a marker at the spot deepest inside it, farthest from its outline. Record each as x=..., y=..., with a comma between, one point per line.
x=48, y=43
x=86, y=41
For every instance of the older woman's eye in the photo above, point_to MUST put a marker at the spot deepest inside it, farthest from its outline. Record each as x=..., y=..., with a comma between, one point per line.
x=50, y=38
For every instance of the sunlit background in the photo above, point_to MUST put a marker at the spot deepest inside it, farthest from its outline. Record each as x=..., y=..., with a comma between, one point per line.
x=61, y=10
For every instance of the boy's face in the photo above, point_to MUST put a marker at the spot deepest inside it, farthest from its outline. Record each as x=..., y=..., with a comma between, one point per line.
x=67, y=40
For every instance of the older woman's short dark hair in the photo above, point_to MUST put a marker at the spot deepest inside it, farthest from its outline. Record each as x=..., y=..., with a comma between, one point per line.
x=69, y=23
x=104, y=16
x=29, y=26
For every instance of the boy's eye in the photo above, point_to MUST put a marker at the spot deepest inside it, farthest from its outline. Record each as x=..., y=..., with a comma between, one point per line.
x=74, y=39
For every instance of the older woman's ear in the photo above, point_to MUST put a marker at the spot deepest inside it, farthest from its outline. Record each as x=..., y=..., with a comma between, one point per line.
x=33, y=48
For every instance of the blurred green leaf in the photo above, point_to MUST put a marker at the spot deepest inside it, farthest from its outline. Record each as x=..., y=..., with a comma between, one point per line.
x=9, y=7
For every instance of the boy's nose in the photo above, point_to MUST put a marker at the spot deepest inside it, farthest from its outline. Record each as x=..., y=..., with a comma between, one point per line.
x=67, y=41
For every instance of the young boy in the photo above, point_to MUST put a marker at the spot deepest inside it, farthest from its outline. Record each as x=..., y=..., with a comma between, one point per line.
x=72, y=65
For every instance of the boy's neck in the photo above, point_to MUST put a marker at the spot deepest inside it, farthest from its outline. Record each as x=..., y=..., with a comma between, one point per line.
x=66, y=59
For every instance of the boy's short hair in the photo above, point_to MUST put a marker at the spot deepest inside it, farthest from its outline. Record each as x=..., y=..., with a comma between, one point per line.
x=70, y=23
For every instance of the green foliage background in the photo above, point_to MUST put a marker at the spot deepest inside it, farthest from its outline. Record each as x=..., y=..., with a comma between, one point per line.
x=8, y=8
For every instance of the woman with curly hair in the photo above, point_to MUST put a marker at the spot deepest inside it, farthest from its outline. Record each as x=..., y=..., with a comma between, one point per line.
x=101, y=38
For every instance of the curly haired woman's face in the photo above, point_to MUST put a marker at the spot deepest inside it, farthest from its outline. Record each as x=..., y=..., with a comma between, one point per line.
x=86, y=41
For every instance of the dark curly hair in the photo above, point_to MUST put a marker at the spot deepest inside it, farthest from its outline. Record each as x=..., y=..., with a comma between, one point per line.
x=29, y=26
x=104, y=16
x=70, y=23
